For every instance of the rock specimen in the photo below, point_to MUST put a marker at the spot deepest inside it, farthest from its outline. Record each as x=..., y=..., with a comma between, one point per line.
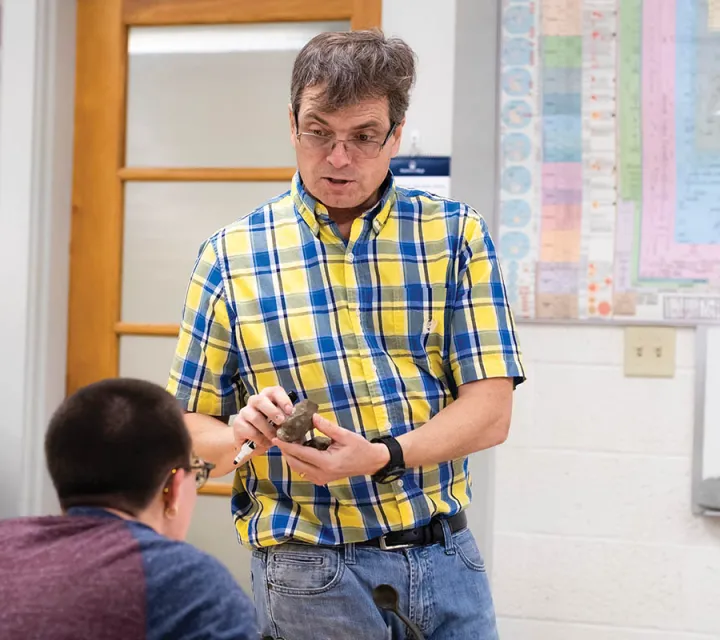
x=299, y=423
x=296, y=427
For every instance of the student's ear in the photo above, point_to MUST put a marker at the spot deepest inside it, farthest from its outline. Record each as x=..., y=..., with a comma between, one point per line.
x=171, y=493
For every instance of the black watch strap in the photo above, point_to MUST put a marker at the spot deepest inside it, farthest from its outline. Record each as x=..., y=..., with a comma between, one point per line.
x=395, y=468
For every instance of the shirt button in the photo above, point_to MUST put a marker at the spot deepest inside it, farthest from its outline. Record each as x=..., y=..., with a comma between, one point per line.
x=400, y=484
x=350, y=257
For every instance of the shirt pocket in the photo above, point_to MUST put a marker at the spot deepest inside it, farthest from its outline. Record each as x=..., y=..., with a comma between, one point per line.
x=419, y=319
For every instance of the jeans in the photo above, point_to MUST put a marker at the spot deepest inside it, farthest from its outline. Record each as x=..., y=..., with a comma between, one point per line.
x=306, y=592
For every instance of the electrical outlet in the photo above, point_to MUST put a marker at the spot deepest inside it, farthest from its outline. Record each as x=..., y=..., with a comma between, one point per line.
x=650, y=352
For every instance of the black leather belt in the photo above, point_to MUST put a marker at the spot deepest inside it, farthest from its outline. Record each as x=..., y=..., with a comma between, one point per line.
x=427, y=534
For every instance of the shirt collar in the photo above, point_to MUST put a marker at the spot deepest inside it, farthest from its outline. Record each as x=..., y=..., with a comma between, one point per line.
x=314, y=213
x=95, y=512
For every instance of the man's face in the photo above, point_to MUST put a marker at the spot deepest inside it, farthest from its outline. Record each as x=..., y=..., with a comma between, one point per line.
x=343, y=176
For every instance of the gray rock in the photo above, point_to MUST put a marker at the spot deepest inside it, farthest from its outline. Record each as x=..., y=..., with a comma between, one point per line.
x=299, y=423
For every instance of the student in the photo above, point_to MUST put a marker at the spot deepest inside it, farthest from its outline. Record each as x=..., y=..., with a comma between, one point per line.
x=114, y=566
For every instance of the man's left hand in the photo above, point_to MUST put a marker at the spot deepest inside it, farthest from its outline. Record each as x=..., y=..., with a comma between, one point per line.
x=349, y=455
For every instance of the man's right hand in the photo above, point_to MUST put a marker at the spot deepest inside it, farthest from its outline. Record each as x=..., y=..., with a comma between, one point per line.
x=253, y=421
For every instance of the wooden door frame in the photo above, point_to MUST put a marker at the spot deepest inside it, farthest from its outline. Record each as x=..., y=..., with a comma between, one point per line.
x=362, y=14
x=99, y=171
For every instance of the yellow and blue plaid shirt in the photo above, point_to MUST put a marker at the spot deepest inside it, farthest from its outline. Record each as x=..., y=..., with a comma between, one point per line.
x=379, y=330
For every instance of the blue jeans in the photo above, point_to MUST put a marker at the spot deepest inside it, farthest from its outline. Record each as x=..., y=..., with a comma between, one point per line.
x=306, y=592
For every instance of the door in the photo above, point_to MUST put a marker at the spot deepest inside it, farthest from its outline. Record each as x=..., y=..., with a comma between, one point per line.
x=180, y=127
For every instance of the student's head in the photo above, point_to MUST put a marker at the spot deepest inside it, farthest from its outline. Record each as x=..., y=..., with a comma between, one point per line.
x=122, y=444
x=352, y=86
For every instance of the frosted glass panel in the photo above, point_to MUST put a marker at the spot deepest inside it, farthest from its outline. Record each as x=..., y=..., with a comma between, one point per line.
x=146, y=357
x=150, y=358
x=165, y=224
x=213, y=96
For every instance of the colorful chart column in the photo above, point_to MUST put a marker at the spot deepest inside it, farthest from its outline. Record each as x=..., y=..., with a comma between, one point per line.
x=629, y=141
x=680, y=231
x=561, y=104
x=519, y=159
x=599, y=206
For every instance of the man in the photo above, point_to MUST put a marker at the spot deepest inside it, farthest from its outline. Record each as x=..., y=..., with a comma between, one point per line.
x=385, y=307
x=113, y=565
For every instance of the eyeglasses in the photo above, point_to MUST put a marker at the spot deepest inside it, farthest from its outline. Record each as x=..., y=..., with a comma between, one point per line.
x=202, y=471
x=201, y=468
x=362, y=145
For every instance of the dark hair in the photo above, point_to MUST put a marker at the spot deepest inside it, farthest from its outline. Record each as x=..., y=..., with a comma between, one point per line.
x=114, y=444
x=354, y=66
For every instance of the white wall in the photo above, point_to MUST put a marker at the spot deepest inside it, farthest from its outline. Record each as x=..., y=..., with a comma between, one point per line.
x=16, y=131
x=36, y=100
x=428, y=26
x=594, y=536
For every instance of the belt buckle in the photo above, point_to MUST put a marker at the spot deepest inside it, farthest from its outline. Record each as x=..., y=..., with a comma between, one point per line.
x=393, y=547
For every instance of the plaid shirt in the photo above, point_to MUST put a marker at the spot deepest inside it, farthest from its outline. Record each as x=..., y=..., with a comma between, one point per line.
x=379, y=330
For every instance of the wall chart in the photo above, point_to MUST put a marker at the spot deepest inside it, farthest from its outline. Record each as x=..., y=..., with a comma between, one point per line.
x=610, y=159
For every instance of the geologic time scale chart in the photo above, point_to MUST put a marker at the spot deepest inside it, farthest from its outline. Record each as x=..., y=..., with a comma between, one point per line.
x=610, y=159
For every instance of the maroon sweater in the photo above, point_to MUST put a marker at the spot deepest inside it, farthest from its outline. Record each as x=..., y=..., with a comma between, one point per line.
x=93, y=575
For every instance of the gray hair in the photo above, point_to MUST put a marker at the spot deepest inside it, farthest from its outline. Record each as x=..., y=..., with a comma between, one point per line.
x=354, y=66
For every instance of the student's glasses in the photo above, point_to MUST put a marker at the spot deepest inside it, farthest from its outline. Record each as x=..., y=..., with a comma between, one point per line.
x=201, y=468
x=202, y=471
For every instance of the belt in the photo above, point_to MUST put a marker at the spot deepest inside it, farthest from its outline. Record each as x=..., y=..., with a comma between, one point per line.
x=427, y=534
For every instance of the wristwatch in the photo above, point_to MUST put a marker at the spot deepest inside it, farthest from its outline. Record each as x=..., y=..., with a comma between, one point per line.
x=395, y=468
